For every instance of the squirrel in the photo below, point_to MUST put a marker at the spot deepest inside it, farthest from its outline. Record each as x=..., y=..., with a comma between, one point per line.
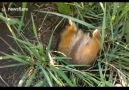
x=80, y=46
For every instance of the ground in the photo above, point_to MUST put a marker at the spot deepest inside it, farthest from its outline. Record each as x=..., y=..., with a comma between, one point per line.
x=11, y=76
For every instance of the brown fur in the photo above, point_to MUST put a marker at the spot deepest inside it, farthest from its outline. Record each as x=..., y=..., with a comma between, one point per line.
x=80, y=46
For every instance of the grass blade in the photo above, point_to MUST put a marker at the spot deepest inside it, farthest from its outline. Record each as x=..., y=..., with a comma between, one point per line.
x=71, y=18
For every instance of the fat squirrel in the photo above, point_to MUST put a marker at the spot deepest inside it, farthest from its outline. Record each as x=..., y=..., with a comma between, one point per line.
x=80, y=46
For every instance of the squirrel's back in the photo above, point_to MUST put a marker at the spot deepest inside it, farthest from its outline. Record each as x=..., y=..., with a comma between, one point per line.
x=80, y=46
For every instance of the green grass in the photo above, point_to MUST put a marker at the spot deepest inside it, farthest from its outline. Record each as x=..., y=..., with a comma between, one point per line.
x=112, y=62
